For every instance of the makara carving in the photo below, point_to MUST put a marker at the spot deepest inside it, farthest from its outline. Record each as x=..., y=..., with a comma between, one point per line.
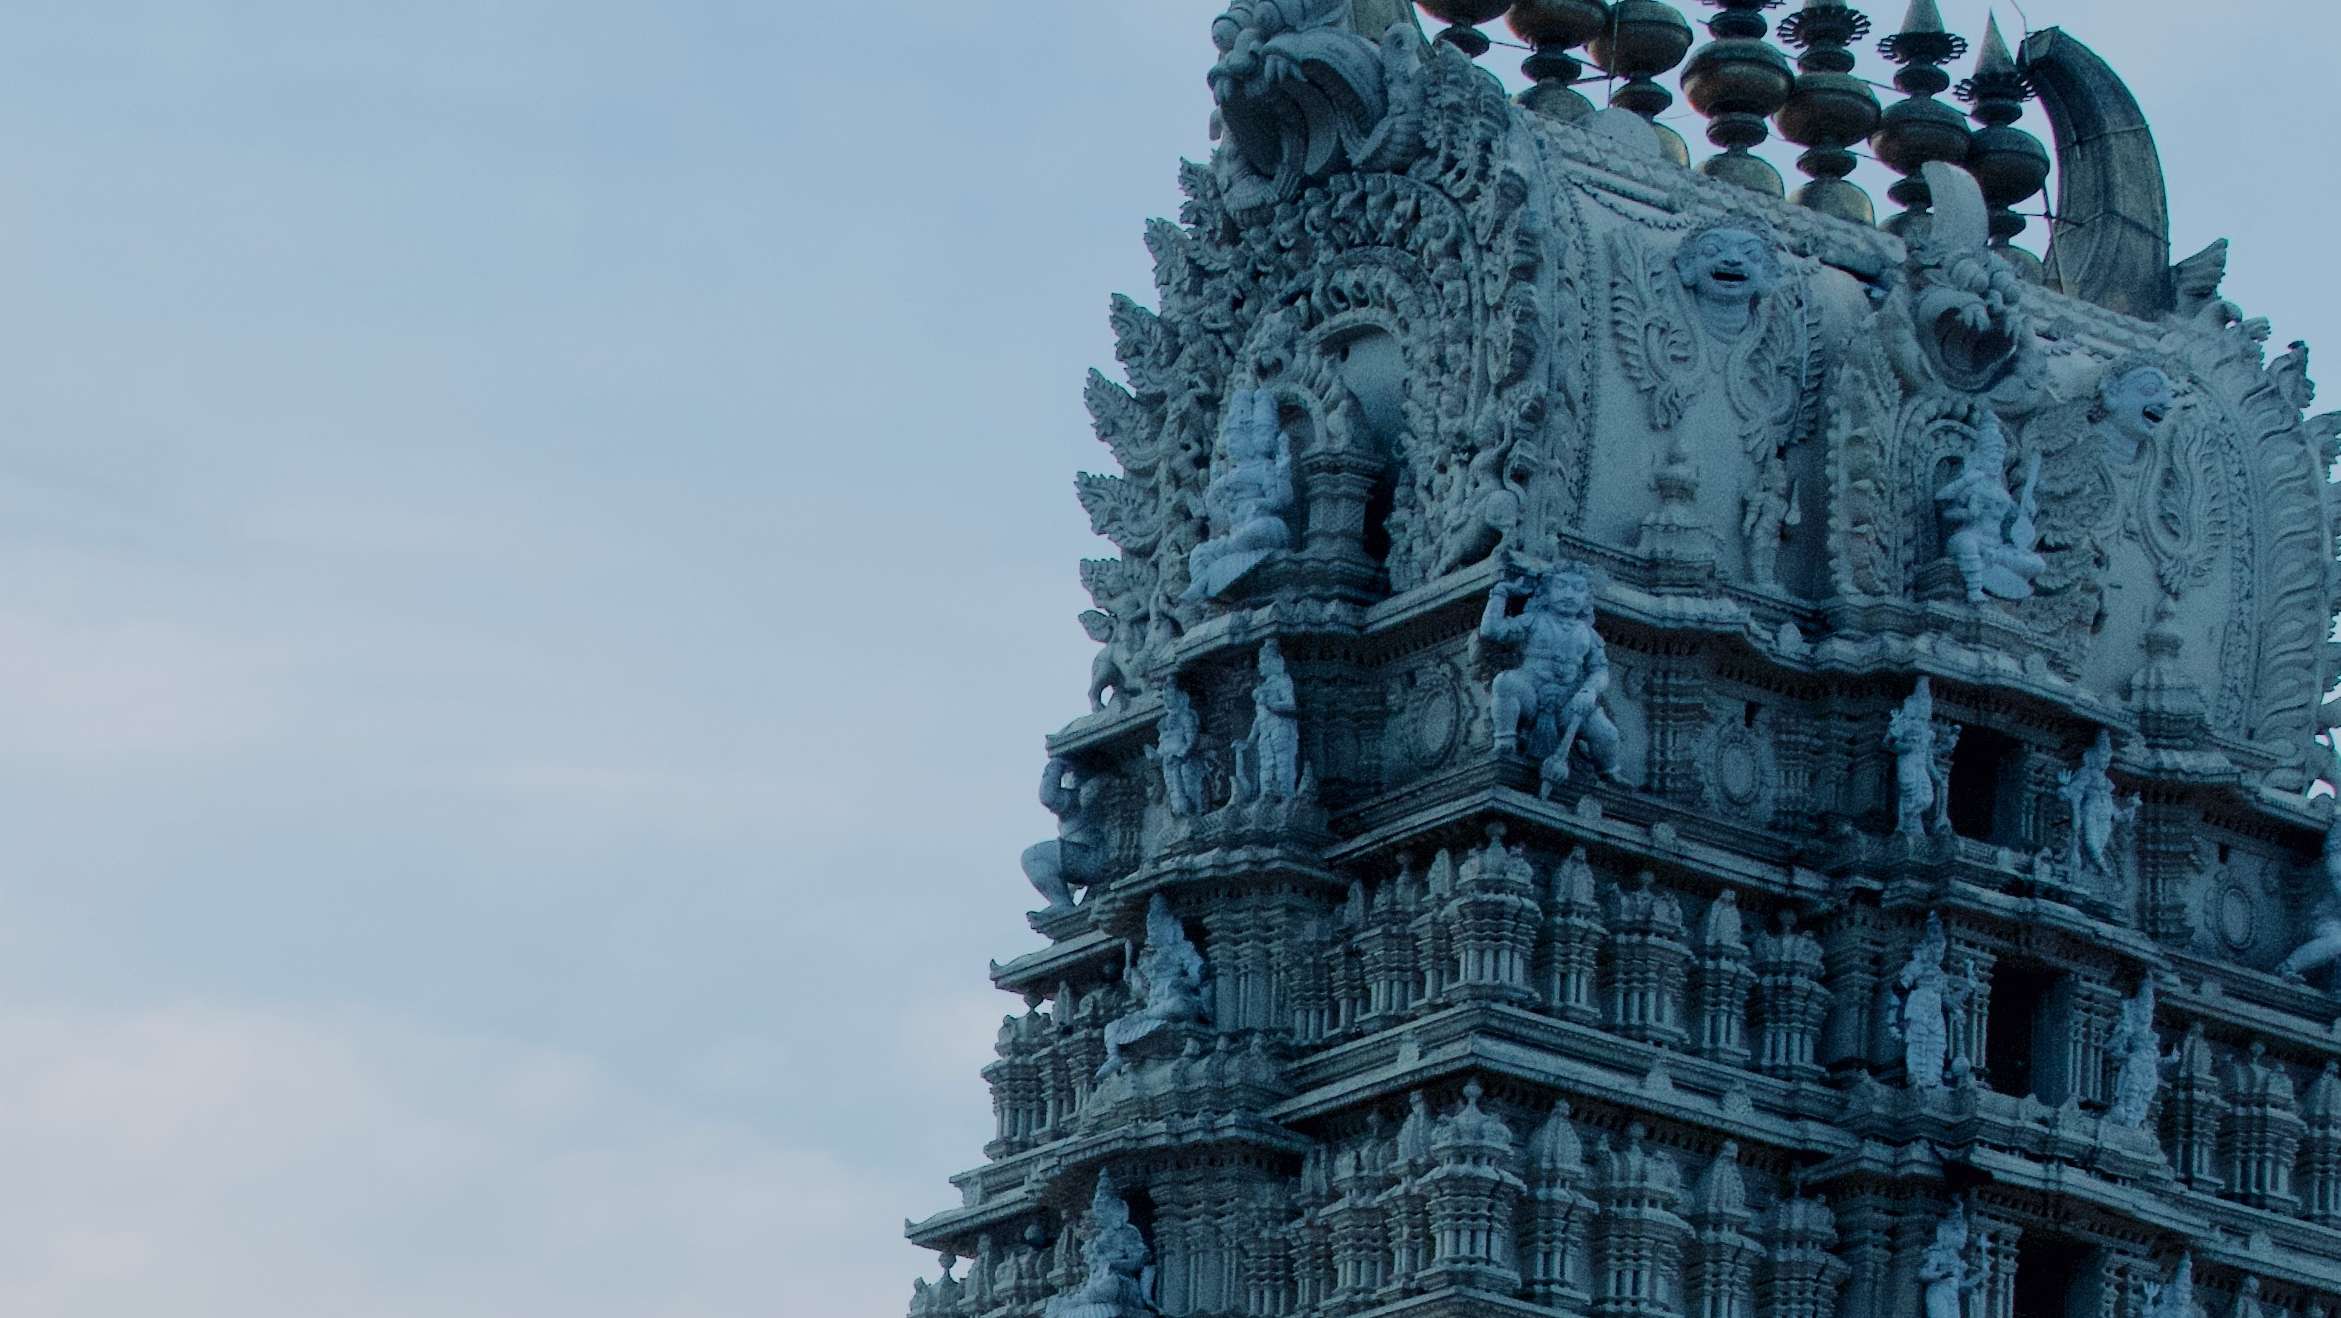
x=1301, y=95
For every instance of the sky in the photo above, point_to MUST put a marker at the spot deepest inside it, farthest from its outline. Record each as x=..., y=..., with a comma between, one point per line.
x=537, y=549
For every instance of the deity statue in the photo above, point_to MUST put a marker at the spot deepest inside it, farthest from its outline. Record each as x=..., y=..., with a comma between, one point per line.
x=2101, y=468
x=1991, y=534
x=1770, y=509
x=1172, y=975
x=2195, y=284
x=1177, y=751
x=1555, y=691
x=2096, y=810
x=2324, y=945
x=2174, y=1298
x=1117, y=1283
x=1077, y=856
x=1920, y=797
x=1268, y=762
x=1728, y=268
x=1248, y=499
x=1931, y=996
x=2137, y=1053
x=1944, y=1274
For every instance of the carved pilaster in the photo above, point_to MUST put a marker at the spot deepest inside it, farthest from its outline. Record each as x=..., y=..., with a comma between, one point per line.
x=1721, y=979
x=1555, y=1216
x=1493, y=918
x=2193, y=1109
x=1472, y=1194
x=1676, y=706
x=1851, y=951
x=1648, y=962
x=2263, y=1132
x=1720, y=1275
x=2320, y=1150
x=1799, y=1276
x=1791, y=1002
x=1638, y=1246
x=2169, y=861
x=1573, y=941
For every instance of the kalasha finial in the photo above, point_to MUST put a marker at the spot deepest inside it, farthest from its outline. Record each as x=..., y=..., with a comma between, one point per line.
x=1645, y=38
x=1463, y=18
x=1555, y=27
x=1830, y=109
x=1919, y=128
x=2009, y=163
x=1737, y=81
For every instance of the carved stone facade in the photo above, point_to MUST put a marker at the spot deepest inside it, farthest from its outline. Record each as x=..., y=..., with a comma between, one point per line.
x=1660, y=751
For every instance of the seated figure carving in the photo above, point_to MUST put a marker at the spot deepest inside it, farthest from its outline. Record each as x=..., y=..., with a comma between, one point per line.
x=1990, y=534
x=1554, y=692
x=1171, y=973
x=1248, y=498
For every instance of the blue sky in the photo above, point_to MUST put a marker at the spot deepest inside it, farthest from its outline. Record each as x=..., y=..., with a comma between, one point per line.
x=536, y=551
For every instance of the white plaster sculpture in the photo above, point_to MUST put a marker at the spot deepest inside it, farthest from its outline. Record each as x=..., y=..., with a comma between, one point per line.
x=1171, y=974
x=1077, y=855
x=1944, y=1274
x=2174, y=1298
x=1248, y=499
x=2195, y=285
x=1268, y=762
x=1990, y=534
x=2089, y=793
x=1728, y=269
x=2137, y=1054
x=1919, y=798
x=2323, y=947
x=1769, y=510
x=1930, y=997
x=1302, y=94
x=1554, y=692
x=1116, y=1255
x=1178, y=752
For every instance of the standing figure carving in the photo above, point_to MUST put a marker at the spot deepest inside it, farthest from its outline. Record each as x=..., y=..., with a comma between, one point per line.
x=1945, y=1274
x=1178, y=752
x=1077, y=856
x=1990, y=534
x=1770, y=510
x=2137, y=1053
x=1116, y=1255
x=2323, y=947
x=1554, y=692
x=2096, y=810
x=2174, y=1298
x=1248, y=499
x=1268, y=762
x=1931, y=995
x=1921, y=798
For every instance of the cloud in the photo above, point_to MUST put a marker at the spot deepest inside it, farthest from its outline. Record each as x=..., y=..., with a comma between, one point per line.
x=207, y=1159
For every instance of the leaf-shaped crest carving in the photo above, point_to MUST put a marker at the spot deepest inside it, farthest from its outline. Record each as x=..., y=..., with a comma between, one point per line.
x=1655, y=342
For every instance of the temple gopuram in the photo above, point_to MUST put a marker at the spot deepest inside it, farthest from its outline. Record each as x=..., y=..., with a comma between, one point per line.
x=1669, y=741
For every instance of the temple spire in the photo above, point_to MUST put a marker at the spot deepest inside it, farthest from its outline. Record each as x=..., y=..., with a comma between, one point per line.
x=2008, y=163
x=1919, y=129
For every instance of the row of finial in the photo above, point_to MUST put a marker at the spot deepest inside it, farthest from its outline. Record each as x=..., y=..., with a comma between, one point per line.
x=1739, y=81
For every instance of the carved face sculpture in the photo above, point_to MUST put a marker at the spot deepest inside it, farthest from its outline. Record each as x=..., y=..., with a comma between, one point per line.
x=1565, y=594
x=2135, y=402
x=1728, y=265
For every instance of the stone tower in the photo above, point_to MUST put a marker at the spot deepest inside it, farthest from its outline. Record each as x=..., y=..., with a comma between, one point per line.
x=1667, y=748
